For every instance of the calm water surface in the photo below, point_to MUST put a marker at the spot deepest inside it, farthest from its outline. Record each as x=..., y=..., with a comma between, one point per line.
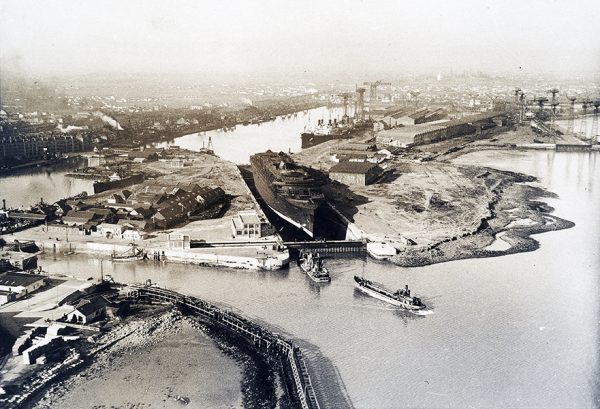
x=26, y=187
x=281, y=134
x=518, y=331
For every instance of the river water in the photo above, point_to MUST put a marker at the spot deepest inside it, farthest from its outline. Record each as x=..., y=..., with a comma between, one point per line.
x=518, y=331
x=281, y=134
x=28, y=186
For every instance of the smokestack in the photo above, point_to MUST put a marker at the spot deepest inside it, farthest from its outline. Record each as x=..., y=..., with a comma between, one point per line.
x=4, y=204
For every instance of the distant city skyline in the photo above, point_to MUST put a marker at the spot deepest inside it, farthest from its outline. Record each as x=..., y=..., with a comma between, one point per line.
x=269, y=38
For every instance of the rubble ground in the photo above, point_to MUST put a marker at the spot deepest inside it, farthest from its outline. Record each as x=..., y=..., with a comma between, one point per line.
x=433, y=210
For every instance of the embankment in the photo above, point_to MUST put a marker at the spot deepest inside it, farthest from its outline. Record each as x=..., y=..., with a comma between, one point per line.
x=188, y=256
x=514, y=211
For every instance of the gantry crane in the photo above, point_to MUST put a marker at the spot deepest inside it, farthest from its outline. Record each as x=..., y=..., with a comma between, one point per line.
x=594, y=135
x=359, y=109
x=554, y=92
x=571, y=119
x=373, y=88
x=346, y=97
x=583, y=124
x=415, y=96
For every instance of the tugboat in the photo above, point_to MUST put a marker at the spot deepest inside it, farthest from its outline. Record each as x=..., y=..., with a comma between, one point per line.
x=401, y=298
x=312, y=265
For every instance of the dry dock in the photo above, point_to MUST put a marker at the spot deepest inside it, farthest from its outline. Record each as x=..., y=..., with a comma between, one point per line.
x=422, y=199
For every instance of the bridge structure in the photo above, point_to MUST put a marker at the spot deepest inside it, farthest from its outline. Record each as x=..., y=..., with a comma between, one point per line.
x=263, y=340
x=329, y=247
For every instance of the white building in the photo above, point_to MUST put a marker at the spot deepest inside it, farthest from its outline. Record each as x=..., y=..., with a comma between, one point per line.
x=18, y=285
x=246, y=224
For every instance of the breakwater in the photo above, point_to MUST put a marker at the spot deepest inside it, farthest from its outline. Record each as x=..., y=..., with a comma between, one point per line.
x=271, y=344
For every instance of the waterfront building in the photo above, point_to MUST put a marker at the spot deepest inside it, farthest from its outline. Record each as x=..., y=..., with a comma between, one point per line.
x=29, y=216
x=246, y=224
x=89, y=310
x=109, y=230
x=178, y=242
x=20, y=284
x=17, y=260
x=79, y=217
x=37, y=146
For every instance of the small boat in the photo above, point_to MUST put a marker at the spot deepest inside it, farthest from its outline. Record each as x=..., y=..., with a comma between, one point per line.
x=134, y=254
x=312, y=264
x=400, y=298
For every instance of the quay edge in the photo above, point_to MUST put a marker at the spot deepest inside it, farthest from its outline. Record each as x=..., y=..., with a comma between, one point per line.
x=274, y=261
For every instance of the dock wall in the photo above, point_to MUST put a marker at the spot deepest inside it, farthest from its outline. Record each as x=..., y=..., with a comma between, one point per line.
x=271, y=344
x=274, y=262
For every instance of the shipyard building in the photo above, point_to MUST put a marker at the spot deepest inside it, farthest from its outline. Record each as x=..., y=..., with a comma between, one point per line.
x=406, y=136
x=355, y=173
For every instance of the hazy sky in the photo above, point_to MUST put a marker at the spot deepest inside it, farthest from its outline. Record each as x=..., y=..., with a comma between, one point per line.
x=355, y=37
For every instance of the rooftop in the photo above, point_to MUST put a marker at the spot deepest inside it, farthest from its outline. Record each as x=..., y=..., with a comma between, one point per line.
x=352, y=167
x=19, y=279
x=89, y=306
x=249, y=218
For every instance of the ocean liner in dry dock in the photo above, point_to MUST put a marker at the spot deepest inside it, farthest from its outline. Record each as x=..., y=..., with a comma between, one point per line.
x=290, y=190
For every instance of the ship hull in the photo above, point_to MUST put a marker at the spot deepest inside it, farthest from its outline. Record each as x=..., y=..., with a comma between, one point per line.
x=308, y=225
x=310, y=139
x=389, y=300
x=316, y=278
x=299, y=214
x=321, y=279
x=102, y=186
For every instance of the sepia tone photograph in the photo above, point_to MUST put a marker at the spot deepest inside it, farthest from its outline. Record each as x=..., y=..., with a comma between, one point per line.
x=345, y=204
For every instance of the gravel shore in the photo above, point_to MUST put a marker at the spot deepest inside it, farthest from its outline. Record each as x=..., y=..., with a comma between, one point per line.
x=161, y=361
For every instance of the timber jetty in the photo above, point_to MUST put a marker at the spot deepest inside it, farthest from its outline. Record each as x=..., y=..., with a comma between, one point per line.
x=266, y=342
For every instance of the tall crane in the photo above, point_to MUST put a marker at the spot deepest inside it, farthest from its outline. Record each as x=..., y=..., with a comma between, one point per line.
x=493, y=100
x=541, y=101
x=359, y=111
x=571, y=120
x=522, y=106
x=554, y=92
x=517, y=92
x=583, y=124
x=594, y=135
x=346, y=98
x=373, y=88
x=415, y=96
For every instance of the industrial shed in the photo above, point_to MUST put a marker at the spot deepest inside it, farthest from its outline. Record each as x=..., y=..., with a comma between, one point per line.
x=423, y=134
x=355, y=173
